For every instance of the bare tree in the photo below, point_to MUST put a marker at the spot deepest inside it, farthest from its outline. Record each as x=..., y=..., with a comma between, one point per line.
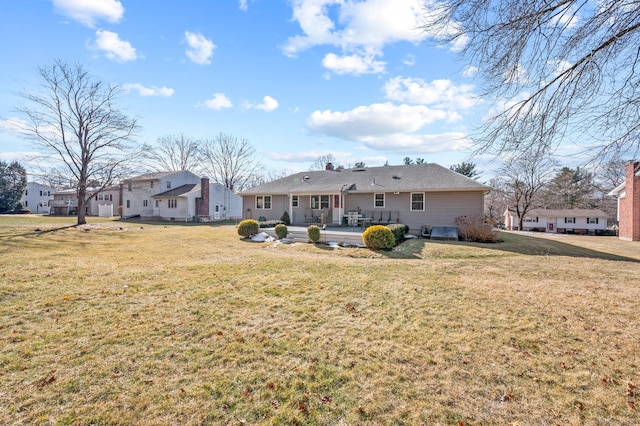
x=564, y=68
x=525, y=177
x=74, y=120
x=230, y=161
x=322, y=161
x=173, y=153
x=496, y=201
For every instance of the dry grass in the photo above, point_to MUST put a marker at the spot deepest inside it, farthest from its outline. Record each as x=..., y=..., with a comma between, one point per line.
x=129, y=323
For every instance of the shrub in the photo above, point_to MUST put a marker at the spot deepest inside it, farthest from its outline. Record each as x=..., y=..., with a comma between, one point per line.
x=473, y=229
x=285, y=218
x=269, y=223
x=399, y=230
x=248, y=227
x=313, y=232
x=281, y=231
x=262, y=219
x=378, y=237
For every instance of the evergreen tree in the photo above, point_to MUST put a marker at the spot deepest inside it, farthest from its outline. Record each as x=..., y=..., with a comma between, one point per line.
x=13, y=182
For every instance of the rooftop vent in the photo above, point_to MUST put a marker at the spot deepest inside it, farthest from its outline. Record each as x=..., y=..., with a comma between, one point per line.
x=361, y=169
x=395, y=177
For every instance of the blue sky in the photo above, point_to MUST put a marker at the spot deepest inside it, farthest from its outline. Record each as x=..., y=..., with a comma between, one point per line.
x=297, y=78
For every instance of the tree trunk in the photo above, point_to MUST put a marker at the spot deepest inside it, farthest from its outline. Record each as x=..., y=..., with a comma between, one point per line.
x=82, y=205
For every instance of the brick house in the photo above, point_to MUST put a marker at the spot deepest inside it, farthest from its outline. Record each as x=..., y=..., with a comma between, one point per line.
x=628, y=195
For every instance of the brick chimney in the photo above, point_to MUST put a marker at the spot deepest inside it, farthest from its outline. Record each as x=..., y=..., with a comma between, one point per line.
x=329, y=166
x=629, y=225
x=202, y=202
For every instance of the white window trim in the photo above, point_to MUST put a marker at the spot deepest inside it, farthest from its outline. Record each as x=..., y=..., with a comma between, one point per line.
x=424, y=202
x=264, y=202
x=384, y=200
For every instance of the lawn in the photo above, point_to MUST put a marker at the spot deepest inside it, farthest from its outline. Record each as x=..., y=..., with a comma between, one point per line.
x=141, y=323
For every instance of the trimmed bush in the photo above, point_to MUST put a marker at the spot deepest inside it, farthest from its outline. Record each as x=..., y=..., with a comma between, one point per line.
x=281, y=231
x=474, y=229
x=399, y=230
x=269, y=223
x=248, y=228
x=378, y=237
x=313, y=232
x=285, y=218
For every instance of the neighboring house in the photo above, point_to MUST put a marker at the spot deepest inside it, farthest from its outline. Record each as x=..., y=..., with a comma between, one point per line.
x=415, y=195
x=37, y=197
x=566, y=221
x=138, y=192
x=178, y=196
x=101, y=203
x=198, y=202
x=628, y=195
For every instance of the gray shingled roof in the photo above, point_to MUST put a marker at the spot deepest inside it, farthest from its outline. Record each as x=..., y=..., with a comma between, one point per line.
x=177, y=192
x=151, y=176
x=567, y=213
x=414, y=177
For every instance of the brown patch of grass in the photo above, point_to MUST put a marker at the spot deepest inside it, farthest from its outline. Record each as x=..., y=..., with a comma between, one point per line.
x=123, y=323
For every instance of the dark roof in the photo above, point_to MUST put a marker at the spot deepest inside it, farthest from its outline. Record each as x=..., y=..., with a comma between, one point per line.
x=177, y=192
x=414, y=177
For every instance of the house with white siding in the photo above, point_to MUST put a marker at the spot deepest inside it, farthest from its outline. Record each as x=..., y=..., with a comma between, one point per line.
x=179, y=196
x=37, y=197
x=566, y=221
x=102, y=202
x=415, y=195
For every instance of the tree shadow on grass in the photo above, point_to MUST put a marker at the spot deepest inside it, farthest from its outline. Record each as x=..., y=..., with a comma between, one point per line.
x=511, y=243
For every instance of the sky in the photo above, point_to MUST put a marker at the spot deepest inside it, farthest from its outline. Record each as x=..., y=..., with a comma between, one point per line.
x=299, y=79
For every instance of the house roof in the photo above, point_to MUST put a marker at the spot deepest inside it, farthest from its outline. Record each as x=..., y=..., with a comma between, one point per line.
x=414, y=177
x=180, y=191
x=150, y=176
x=567, y=213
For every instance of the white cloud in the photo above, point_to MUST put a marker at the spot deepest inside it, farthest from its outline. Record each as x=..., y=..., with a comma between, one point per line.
x=219, y=101
x=409, y=60
x=87, y=12
x=441, y=93
x=12, y=125
x=114, y=48
x=148, y=91
x=268, y=104
x=200, y=48
x=378, y=119
x=243, y=5
x=469, y=71
x=389, y=128
x=360, y=29
x=352, y=64
x=420, y=143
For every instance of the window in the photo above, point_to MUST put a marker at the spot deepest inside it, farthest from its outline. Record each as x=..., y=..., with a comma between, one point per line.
x=48, y=193
x=417, y=201
x=157, y=203
x=378, y=200
x=295, y=202
x=592, y=220
x=26, y=203
x=128, y=203
x=319, y=202
x=168, y=184
x=263, y=202
x=569, y=220
x=145, y=203
x=151, y=184
x=26, y=192
x=336, y=202
x=172, y=204
x=41, y=193
x=129, y=186
x=531, y=219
